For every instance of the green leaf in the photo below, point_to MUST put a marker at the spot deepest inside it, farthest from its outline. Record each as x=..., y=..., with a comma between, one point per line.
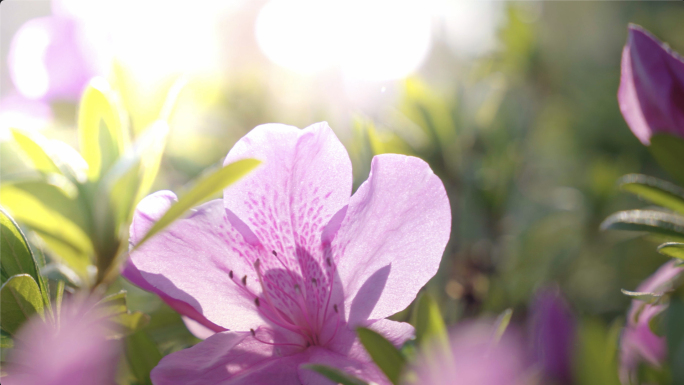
x=502, y=324
x=430, y=328
x=131, y=178
x=103, y=135
x=6, y=341
x=143, y=355
x=335, y=375
x=643, y=296
x=204, y=189
x=594, y=358
x=384, y=354
x=656, y=222
x=657, y=191
x=34, y=147
x=64, y=237
x=674, y=332
x=20, y=298
x=668, y=150
x=122, y=322
x=15, y=253
x=111, y=305
x=672, y=249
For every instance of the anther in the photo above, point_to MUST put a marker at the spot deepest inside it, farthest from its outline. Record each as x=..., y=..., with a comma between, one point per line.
x=328, y=260
x=256, y=301
x=253, y=333
x=335, y=308
x=274, y=253
x=313, y=280
x=296, y=287
x=230, y=274
x=244, y=280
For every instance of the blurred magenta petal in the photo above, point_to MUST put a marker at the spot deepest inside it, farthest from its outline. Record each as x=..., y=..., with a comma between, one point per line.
x=638, y=342
x=553, y=335
x=74, y=352
x=289, y=263
x=475, y=359
x=53, y=58
x=651, y=94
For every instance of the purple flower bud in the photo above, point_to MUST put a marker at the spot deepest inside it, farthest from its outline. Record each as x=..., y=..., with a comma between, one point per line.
x=651, y=94
x=638, y=342
x=553, y=335
x=54, y=58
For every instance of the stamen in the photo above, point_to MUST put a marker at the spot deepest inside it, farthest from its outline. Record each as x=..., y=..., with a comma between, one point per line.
x=230, y=274
x=274, y=253
x=334, y=307
x=244, y=280
x=296, y=288
x=253, y=333
x=256, y=301
x=313, y=280
x=328, y=260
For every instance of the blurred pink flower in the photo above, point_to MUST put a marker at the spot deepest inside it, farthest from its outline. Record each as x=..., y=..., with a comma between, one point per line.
x=53, y=58
x=290, y=264
x=73, y=352
x=651, y=94
x=638, y=343
x=475, y=359
x=553, y=332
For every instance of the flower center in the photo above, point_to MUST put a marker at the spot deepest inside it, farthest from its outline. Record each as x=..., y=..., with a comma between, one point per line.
x=297, y=301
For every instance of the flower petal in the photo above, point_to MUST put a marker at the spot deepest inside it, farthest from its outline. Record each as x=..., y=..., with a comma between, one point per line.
x=651, y=93
x=304, y=180
x=392, y=238
x=228, y=358
x=196, y=264
x=365, y=370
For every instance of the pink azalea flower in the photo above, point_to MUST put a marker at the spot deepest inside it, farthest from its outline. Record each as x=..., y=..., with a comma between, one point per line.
x=651, y=94
x=638, y=343
x=475, y=359
x=74, y=351
x=290, y=263
x=53, y=58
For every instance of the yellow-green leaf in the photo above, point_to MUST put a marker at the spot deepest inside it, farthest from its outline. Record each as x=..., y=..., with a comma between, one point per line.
x=388, y=358
x=672, y=249
x=657, y=191
x=34, y=147
x=15, y=254
x=143, y=355
x=103, y=133
x=204, y=189
x=20, y=298
x=430, y=329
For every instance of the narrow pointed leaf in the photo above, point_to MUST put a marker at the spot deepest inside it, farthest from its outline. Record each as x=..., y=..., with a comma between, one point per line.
x=657, y=191
x=502, y=324
x=643, y=296
x=15, y=254
x=430, y=328
x=34, y=147
x=335, y=375
x=20, y=298
x=204, y=189
x=672, y=249
x=143, y=355
x=656, y=222
x=384, y=354
x=102, y=132
x=113, y=304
